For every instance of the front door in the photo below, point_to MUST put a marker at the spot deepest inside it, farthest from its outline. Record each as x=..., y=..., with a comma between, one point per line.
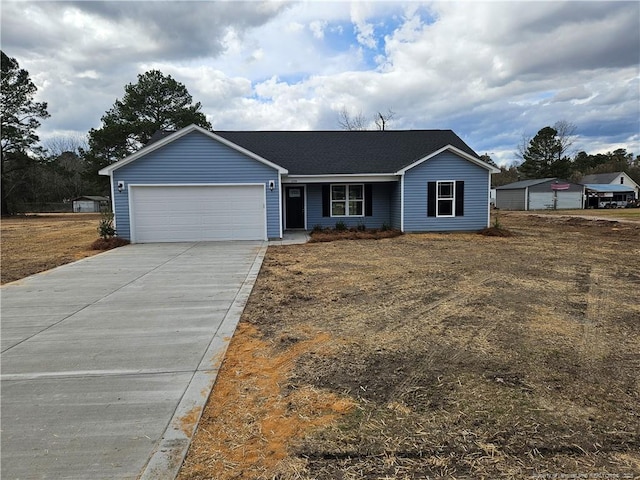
x=294, y=204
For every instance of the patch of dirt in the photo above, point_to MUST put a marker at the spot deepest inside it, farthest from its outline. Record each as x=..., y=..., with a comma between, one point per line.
x=495, y=232
x=109, y=243
x=458, y=356
x=252, y=442
x=35, y=243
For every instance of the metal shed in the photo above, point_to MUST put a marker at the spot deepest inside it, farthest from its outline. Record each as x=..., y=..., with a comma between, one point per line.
x=89, y=204
x=540, y=194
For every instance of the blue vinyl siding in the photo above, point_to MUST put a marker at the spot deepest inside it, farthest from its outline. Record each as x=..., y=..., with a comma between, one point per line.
x=381, y=195
x=446, y=166
x=195, y=158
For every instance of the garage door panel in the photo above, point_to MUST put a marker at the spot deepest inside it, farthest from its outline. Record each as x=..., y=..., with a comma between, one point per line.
x=197, y=213
x=564, y=200
x=569, y=200
x=540, y=200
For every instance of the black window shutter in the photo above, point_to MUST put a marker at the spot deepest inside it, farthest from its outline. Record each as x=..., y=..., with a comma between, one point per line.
x=431, y=199
x=459, y=198
x=326, y=201
x=368, y=200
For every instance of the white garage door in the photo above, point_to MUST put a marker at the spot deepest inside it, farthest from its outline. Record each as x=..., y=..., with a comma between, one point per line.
x=540, y=200
x=569, y=200
x=197, y=213
x=544, y=200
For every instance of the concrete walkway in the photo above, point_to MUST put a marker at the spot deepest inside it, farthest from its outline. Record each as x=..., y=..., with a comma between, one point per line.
x=292, y=237
x=107, y=362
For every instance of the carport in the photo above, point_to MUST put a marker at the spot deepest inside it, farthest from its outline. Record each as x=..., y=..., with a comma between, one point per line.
x=608, y=196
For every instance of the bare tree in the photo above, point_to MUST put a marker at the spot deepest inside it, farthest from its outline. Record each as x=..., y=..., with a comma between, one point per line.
x=382, y=119
x=359, y=122
x=522, y=146
x=566, y=136
x=74, y=143
x=565, y=133
x=67, y=170
x=347, y=122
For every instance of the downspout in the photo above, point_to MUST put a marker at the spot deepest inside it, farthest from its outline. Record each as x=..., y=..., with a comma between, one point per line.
x=280, y=213
x=489, y=202
x=113, y=202
x=402, y=203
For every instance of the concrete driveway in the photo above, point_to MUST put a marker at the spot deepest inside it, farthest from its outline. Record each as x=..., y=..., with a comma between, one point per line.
x=107, y=362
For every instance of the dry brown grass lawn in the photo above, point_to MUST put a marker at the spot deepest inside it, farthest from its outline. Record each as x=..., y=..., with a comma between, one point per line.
x=435, y=355
x=34, y=243
x=632, y=214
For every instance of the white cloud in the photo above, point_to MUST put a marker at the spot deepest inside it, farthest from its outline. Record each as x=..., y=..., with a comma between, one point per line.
x=491, y=71
x=318, y=27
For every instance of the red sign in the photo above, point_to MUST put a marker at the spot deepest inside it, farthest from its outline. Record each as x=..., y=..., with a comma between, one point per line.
x=560, y=186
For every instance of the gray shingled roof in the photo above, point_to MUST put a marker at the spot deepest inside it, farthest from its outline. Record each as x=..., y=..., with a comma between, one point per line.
x=342, y=152
x=95, y=198
x=600, y=178
x=524, y=184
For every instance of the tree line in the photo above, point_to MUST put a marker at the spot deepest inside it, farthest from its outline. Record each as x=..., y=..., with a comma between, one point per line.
x=548, y=154
x=62, y=168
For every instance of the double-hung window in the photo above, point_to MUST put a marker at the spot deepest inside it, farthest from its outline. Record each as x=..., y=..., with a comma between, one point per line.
x=445, y=199
x=347, y=200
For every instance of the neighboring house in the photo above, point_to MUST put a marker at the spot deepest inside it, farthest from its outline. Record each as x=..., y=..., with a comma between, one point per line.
x=89, y=203
x=605, y=190
x=194, y=184
x=540, y=194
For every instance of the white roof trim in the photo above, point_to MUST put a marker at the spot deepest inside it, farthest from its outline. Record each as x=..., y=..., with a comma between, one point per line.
x=454, y=150
x=341, y=177
x=179, y=134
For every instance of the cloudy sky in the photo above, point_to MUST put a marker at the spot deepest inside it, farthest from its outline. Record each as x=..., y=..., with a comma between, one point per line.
x=491, y=71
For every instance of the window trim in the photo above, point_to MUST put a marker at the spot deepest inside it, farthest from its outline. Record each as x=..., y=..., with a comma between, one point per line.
x=452, y=199
x=346, y=199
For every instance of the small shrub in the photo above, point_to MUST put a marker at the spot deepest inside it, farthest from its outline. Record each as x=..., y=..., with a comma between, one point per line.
x=361, y=227
x=317, y=228
x=385, y=228
x=105, y=227
x=341, y=226
x=496, y=229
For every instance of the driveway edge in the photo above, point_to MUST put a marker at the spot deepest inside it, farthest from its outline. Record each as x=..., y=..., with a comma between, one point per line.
x=171, y=451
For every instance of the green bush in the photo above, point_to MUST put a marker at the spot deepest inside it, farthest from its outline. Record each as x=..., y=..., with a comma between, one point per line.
x=105, y=227
x=341, y=226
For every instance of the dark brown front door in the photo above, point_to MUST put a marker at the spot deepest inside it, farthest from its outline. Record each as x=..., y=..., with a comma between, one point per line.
x=294, y=203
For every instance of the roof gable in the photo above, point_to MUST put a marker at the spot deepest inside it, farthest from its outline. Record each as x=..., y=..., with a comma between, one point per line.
x=600, y=178
x=94, y=198
x=456, y=151
x=171, y=137
x=607, y=178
